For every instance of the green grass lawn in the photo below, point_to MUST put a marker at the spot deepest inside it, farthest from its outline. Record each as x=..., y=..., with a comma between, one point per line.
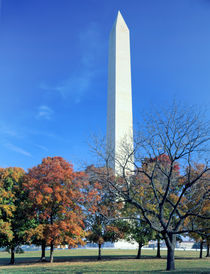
x=114, y=261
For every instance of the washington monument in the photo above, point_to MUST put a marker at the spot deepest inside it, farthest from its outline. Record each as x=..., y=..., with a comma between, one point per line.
x=119, y=105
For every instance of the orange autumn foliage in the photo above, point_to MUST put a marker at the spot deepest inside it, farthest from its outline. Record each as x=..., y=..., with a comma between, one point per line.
x=56, y=199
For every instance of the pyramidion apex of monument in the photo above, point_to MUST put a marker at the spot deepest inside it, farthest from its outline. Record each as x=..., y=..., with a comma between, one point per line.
x=119, y=103
x=120, y=22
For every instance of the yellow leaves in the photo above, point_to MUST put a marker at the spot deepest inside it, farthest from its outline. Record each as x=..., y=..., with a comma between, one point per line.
x=5, y=229
x=15, y=173
x=173, y=197
x=186, y=221
x=206, y=207
x=72, y=243
x=38, y=232
x=5, y=194
x=152, y=207
x=100, y=240
x=10, y=181
x=8, y=209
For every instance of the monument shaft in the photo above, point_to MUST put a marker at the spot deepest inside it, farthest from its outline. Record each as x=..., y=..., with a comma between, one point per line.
x=119, y=107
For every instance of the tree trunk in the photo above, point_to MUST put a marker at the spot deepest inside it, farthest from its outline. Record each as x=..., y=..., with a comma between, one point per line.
x=201, y=249
x=12, y=259
x=207, y=250
x=43, y=258
x=99, y=252
x=139, y=251
x=158, y=247
x=170, y=259
x=51, y=252
x=170, y=240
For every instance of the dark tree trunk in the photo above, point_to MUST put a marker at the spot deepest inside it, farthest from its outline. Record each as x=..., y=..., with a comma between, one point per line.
x=52, y=243
x=12, y=259
x=207, y=250
x=201, y=249
x=170, y=259
x=139, y=251
x=170, y=240
x=158, y=247
x=99, y=252
x=51, y=252
x=43, y=258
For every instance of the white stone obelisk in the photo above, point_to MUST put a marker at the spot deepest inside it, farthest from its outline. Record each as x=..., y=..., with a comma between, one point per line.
x=119, y=106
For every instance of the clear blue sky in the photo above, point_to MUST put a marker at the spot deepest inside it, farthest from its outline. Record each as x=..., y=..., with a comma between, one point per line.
x=53, y=69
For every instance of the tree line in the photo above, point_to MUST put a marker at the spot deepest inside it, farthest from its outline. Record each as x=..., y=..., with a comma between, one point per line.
x=167, y=195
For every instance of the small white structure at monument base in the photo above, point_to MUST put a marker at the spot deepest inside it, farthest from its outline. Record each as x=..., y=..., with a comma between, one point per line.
x=119, y=107
x=122, y=244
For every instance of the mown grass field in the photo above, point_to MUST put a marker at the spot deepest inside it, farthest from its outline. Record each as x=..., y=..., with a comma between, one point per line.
x=114, y=261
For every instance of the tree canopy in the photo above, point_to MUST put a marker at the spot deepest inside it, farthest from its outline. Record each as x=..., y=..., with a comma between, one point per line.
x=56, y=202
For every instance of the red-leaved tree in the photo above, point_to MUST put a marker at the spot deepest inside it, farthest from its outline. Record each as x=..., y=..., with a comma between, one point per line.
x=56, y=199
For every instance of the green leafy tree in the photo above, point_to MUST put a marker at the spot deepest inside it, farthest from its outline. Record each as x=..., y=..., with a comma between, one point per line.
x=158, y=238
x=7, y=209
x=140, y=232
x=200, y=193
x=101, y=231
x=12, y=210
x=101, y=209
x=202, y=237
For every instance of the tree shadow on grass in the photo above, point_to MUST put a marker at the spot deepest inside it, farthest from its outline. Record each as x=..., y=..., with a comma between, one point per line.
x=63, y=259
x=195, y=270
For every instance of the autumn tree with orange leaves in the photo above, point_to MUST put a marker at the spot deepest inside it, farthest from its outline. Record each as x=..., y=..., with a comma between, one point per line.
x=54, y=190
